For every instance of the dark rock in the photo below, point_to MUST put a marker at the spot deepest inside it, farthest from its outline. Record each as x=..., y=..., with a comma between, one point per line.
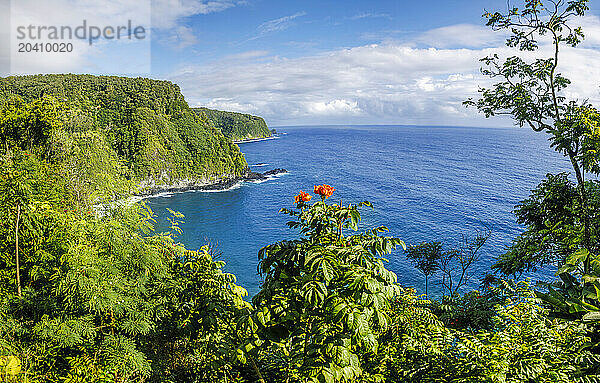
x=274, y=172
x=222, y=184
x=252, y=176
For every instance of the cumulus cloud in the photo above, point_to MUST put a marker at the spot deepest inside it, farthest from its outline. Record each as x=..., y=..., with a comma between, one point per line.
x=376, y=83
x=399, y=82
x=165, y=17
x=333, y=108
x=133, y=56
x=461, y=35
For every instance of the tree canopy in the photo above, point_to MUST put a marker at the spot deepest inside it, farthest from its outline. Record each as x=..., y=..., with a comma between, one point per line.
x=236, y=126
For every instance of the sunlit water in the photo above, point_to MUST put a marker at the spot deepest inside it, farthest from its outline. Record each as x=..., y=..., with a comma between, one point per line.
x=427, y=183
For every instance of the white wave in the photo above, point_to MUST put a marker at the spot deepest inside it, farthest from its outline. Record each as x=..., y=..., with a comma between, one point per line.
x=273, y=176
x=259, y=181
x=165, y=194
x=102, y=208
x=269, y=178
x=259, y=165
x=237, y=185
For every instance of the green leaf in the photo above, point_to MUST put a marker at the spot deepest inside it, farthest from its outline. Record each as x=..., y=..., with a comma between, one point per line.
x=241, y=356
x=593, y=316
x=577, y=257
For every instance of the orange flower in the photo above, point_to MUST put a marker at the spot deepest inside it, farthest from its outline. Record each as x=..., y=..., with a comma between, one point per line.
x=324, y=190
x=302, y=197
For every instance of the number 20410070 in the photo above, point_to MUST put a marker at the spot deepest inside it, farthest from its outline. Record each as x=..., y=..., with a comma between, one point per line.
x=45, y=47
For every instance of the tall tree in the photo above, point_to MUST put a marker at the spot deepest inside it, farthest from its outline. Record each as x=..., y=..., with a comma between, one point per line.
x=426, y=258
x=532, y=92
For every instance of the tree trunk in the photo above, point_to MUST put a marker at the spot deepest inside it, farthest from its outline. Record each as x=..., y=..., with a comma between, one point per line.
x=584, y=209
x=19, y=293
x=255, y=367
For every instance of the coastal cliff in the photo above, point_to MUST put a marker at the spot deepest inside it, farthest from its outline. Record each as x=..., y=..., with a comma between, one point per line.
x=237, y=126
x=136, y=130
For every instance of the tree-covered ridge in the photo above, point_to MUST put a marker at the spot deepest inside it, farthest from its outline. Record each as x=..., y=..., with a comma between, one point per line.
x=237, y=126
x=146, y=125
x=102, y=298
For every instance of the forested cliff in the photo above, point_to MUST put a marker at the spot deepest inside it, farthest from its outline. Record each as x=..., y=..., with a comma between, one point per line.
x=104, y=298
x=143, y=127
x=237, y=126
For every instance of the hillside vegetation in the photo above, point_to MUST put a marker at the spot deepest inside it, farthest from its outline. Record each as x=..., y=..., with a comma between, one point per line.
x=142, y=126
x=103, y=298
x=237, y=126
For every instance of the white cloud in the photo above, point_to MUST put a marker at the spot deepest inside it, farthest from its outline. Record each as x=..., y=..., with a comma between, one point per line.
x=369, y=15
x=248, y=55
x=95, y=58
x=376, y=83
x=461, y=35
x=181, y=37
x=333, y=108
x=398, y=82
x=167, y=14
x=230, y=105
x=279, y=24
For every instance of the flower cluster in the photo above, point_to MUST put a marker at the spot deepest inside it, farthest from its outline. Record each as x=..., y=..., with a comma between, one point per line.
x=324, y=190
x=302, y=197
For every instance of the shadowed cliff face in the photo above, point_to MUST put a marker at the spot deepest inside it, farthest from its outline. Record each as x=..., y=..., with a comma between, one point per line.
x=149, y=187
x=146, y=124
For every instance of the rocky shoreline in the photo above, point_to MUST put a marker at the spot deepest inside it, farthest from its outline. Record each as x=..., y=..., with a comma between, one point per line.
x=248, y=140
x=222, y=184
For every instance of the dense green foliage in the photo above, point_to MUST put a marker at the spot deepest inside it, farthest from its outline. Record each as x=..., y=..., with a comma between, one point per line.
x=92, y=293
x=146, y=125
x=99, y=299
x=522, y=346
x=561, y=216
x=553, y=225
x=329, y=311
x=237, y=126
x=326, y=294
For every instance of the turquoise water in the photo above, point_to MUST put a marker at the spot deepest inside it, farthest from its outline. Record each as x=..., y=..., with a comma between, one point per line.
x=427, y=183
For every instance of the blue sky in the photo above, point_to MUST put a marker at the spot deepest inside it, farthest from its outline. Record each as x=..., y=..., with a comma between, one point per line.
x=309, y=62
x=300, y=28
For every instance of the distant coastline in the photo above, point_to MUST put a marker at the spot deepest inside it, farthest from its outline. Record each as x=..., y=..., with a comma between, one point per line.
x=236, y=126
x=273, y=137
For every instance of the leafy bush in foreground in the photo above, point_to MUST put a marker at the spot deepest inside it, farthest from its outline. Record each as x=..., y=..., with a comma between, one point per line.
x=102, y=299
x=326, y=294
x=523, y=346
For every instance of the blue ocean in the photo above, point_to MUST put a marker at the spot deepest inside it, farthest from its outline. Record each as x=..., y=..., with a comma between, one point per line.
x=426, y=183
